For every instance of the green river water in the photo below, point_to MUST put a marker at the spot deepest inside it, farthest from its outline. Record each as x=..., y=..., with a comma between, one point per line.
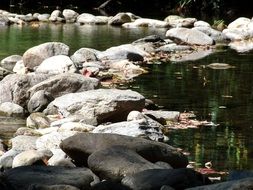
x=224, y=97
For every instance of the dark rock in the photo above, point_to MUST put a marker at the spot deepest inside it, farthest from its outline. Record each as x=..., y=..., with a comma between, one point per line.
x=52, y=187
x=109, y=185
x=151, y=38
x=80, y=146
x=116, y=162
x=25, y=176
x=156, y=178
x=84, y=55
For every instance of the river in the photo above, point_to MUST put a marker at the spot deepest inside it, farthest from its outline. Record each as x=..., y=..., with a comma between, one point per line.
x=224, y=97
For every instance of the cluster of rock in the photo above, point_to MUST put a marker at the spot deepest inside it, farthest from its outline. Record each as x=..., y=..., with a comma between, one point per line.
x=81, y=136
x=239, y=32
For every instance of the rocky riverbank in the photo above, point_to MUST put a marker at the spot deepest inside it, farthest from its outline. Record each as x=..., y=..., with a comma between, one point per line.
x=81, y=132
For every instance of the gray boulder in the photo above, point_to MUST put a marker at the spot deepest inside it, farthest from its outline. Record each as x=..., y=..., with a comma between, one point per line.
x=70, y=15
x=39, y=101
x=87, y=18
x=173, y=48
x=120, y=19
x=14, y=87
x=34, y=56
x=63, y=84
x=151, y=39
x=31, y=157
x=24, y=142
x=11, y=110
x=10, y=61
x=156, y=178
x=163, y=116
x=6, y=159
x=216, y=35
x=201, y=23
x=189, y=36
x=56, y=65
x=116, y=162
x=126, y=51
x=81, y=145
x=55, y=15
x=146, y=22
x=242, y=46
x=84, y=55
x=25, y=176
x=52, y=187
x=60, y=159
x=98, y=106
x=37, y=121
x=246, y=183
x=177, y=21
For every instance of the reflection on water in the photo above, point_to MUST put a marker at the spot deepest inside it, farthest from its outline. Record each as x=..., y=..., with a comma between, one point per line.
x=17, y=39
x=222, y=96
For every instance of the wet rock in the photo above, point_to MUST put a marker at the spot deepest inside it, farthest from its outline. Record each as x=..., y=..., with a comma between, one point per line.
x=242, y=46
x=37, y=120
x=177, y=21
x=80, y=146
x=31, y=157
x=122, y=52
x=24, y=142
x=52, y=140
x=246, y=183
x=189, y=36
x=156, y=178
x=84, y=55
x=65, y=83
x=116, y=162
x=14, y=87
x=146, y=22
x=11, y=110
x=52, y=187
x=70, y=15
x=56, y=65
x=34, y=56
x=192, y=56
x=10, y=61
x=25, y=176
x=98, y=106
x=109, y=185
x=120, y=19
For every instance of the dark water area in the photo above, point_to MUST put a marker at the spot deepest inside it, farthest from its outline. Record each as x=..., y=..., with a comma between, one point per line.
x=224, y=97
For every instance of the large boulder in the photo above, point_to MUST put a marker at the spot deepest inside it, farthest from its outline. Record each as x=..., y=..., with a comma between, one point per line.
x=24, y=142
x=65, y=83
x=86, y=18
x=14, y=87
x=80, y=146
x=10, y=61
x=26, y=177
x=116, y=162
x=156, y=178
x=216, y=35
x=70, y=15
x=34, y=56
x=37, y=121
x=246, y=183
x=4, y=21
x=126, y=51
x=189, y=36
x=177, y=21
x=11, y=110
x=98, y=106
x=242, y=46
x=56, y=65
